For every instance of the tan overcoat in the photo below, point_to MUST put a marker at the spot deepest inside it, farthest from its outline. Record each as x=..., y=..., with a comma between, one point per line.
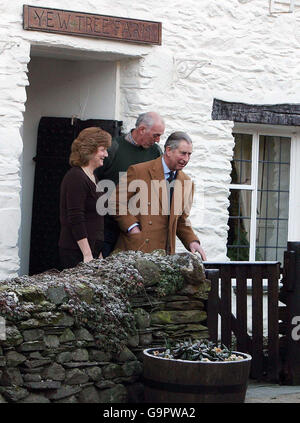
x=147, y=204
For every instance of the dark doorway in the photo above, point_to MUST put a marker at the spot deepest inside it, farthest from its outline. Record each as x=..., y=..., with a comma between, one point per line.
x=55, y=136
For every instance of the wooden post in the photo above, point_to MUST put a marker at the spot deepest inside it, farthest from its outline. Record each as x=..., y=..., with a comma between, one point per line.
x=292, y=376
x=213, y=304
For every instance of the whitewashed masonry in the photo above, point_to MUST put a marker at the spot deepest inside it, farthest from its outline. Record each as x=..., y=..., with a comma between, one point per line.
x=235, y=50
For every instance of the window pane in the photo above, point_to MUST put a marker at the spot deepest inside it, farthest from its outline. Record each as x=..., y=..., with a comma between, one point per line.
x=283, y=205
x=282, y=232
x=271, y=233
x=285, y=149
x=241, y=162
x=285, y=177
x=272, y=197
x=267, y=204
x=239, y=225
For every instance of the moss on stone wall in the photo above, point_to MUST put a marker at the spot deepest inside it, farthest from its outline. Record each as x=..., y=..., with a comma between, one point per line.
x=76, y=335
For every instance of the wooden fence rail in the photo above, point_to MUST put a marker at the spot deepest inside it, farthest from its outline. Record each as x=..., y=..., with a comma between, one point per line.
x=290, y=315
x=248, y=279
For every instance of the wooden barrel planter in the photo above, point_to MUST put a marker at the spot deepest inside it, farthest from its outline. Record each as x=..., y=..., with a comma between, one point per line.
x=181, y=381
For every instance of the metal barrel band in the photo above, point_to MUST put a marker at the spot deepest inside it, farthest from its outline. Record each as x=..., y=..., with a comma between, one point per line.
x=193, y=389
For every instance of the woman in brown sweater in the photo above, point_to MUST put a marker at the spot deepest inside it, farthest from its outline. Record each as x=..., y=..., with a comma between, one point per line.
x=81, y=226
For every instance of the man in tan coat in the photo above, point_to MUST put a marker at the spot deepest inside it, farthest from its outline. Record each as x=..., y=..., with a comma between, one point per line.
x=154, y=199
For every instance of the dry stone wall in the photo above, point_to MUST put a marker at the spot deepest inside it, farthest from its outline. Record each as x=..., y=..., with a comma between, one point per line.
x=77, y=336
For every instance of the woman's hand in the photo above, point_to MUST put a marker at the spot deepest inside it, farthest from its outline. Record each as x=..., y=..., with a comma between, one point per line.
x=84, y=246
x=87, y=258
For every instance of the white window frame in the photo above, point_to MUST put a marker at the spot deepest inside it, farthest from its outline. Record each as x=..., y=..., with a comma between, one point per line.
x=292, y=132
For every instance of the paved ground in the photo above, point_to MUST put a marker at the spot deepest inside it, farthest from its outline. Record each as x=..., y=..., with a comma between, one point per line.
x=260, y=392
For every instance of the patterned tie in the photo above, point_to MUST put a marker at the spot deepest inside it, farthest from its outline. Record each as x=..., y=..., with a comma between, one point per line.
x=171, y=178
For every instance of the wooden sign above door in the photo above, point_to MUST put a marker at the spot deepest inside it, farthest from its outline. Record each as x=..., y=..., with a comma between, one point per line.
x=91, y=25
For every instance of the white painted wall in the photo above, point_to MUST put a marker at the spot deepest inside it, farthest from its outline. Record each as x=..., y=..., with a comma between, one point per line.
x=230, y=49
x=60, y=88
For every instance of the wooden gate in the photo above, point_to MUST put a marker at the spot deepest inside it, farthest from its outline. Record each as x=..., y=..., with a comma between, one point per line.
x=243, y=279
x=289, y=314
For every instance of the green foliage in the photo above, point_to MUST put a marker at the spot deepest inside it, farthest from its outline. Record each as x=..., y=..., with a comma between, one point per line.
x=170, y=281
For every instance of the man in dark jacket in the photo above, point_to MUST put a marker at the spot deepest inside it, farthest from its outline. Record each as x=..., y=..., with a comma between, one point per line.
x=139, y=145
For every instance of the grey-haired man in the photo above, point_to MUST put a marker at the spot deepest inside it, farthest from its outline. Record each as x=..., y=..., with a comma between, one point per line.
x=138, y=146
x=161, y=216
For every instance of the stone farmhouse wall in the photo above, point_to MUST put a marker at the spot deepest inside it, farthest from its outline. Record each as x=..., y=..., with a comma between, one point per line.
x=77, y=336
x=234, y=50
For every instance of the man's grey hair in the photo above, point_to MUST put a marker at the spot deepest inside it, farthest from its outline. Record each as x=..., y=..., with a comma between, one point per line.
x=148, y=119
x=175, y=138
